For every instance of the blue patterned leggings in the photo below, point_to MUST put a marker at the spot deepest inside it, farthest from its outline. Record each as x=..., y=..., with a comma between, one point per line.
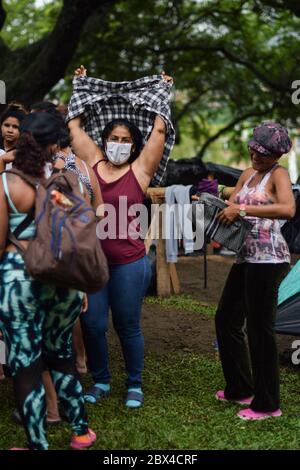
x=37, y=321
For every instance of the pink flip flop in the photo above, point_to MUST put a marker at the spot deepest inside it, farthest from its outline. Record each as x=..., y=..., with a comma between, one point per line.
x=220, y=395
x=18, y=448
x=251, y=415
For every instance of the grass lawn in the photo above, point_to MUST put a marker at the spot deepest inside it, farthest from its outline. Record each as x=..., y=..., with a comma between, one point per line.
x=180, y=412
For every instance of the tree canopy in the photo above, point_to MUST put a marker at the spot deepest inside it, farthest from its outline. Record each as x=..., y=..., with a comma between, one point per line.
x=233, y=61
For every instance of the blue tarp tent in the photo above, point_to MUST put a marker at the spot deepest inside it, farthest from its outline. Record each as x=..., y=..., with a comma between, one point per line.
x=288, y=315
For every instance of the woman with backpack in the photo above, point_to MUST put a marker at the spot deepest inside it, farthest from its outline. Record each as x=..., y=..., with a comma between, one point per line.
x=37, y=319
x=263, y=195
x=65, y=159
x=124, y=169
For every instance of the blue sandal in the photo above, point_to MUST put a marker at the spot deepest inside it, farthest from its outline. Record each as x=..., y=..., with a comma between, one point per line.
x=95, y=394
x=134, y=399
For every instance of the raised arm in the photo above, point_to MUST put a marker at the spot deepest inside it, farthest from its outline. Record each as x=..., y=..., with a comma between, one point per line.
x=97, y=199
x=146, y=165
x=152, y=153
x=83, y=146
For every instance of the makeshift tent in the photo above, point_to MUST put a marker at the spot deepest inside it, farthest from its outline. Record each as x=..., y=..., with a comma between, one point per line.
x=224, y=174
x=288, y=315
x=191, y=170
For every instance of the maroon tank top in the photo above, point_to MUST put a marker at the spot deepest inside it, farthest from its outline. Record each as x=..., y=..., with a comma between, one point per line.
x=122, y=248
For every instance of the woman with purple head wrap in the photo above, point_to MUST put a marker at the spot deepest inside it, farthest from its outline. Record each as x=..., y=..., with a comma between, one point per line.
x=263, y=195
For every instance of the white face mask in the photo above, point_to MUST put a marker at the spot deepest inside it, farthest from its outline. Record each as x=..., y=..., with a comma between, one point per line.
x=118, y=153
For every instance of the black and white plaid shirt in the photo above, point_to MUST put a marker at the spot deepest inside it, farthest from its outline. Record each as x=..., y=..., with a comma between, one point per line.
x=99, y=102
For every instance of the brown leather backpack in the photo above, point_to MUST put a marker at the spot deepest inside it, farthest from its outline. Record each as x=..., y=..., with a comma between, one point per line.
x=65, y=250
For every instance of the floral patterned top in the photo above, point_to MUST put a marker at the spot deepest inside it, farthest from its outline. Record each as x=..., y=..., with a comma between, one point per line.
x=70, y=164
x=265, y=242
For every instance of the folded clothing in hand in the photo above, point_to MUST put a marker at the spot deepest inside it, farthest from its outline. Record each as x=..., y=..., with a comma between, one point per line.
x=233, y=236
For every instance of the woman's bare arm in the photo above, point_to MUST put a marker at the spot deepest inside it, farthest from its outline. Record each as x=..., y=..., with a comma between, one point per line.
x=152, y=153
x=97, y=199
x=83, y=146
x=146, y=165
x=283, y=208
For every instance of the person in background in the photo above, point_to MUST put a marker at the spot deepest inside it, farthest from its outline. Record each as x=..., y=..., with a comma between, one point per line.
x=43, y=107
x=10, y=121
x=66, y=159
x=10, y=130
x=37, y=319
x=263, y=195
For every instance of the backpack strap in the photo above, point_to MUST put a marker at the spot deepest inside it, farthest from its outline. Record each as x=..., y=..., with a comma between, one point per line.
x=16, y=242
x=25, y=224
x=13, y=236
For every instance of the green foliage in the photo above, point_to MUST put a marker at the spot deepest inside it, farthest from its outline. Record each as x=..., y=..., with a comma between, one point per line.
x=233, y=62
x=27, y=23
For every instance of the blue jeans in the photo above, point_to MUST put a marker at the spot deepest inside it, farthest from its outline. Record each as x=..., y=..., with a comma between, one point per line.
x=124, y=294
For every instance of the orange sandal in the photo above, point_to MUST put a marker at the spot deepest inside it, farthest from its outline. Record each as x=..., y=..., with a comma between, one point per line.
x=84, y=441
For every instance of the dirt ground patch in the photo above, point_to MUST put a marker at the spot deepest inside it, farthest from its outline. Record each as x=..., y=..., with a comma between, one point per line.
x=168, y=330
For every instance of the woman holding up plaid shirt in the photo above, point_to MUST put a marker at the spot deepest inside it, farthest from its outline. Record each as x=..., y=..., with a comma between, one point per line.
x=124, y=168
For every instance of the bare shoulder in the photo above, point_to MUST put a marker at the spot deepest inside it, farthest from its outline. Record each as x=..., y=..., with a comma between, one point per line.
x=280, y=173
x=280, y=170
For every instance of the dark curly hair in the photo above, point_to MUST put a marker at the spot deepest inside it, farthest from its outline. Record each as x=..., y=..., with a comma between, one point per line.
x=64, y=139
x=11, y=111
x=134, y=131
x=30, y=157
